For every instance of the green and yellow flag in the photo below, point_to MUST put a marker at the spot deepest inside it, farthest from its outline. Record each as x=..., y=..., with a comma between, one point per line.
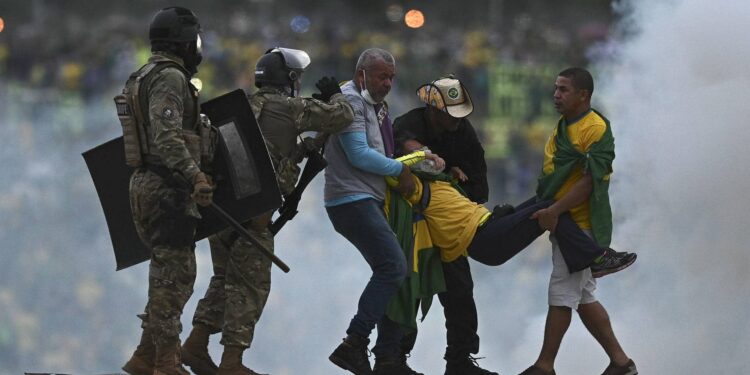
x=425, y=275
x=598, y=162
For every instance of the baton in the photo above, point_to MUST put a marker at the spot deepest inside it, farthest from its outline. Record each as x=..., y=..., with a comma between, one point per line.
x=244, y=233
x=227, y=218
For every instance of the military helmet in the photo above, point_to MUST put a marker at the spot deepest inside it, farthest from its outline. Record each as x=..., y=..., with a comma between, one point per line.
x=280, y=66
x=174, y=24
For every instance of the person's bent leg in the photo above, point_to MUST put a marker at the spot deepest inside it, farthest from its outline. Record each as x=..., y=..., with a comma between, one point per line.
x=501, y=238
x=461, y=320
x=558, y=321
x=389, y=358
x=171, y=279
x=210, y=309
x=209, y=313
x=408, y=340
x=460, y=310
x=142, y=360
x=595, y=318
x=363, y=223
x=566, y=291
x=248, y=284
x=577, y=248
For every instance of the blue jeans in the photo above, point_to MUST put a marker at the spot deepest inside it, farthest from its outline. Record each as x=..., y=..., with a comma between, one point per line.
x=363, y=223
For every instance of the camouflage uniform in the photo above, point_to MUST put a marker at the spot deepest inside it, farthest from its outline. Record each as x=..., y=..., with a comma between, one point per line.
x=164, y=213
x=241, y=283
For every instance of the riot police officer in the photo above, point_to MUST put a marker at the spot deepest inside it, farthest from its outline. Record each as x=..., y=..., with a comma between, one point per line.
x=163, y=142
x=242, y=274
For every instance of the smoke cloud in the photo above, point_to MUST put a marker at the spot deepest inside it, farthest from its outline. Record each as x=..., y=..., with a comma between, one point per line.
x=673, y=84
x=676, y=90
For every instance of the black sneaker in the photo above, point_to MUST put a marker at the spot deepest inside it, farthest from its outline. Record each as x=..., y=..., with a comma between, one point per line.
x=465, y=366
x=352, y=355
x=626, y=369
x=612, y=262
x=393, y=366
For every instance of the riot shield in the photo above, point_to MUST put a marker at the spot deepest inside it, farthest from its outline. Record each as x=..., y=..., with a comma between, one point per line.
x=242, y=169
x=245, y=179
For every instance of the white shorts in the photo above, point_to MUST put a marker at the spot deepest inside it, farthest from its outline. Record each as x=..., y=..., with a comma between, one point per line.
x=569, y=289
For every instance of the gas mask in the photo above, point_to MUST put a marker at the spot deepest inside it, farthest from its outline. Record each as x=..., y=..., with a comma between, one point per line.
x=194, y=56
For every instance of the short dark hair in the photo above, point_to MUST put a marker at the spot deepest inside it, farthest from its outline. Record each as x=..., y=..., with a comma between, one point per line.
x=400, y=139
x=580, y=77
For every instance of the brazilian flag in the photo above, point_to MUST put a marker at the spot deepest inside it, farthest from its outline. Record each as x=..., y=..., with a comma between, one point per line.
x=598, y=162
x=425, y=274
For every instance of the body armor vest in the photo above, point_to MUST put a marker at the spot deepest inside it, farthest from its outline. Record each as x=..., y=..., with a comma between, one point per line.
x=280, y=134
x=132, y=110
x=277, y=125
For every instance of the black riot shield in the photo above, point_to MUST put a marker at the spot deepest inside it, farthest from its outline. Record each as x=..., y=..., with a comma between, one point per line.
x=245, y=179
x=242, y=169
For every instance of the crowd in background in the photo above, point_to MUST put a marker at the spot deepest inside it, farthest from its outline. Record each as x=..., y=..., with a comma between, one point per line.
x=61, y=64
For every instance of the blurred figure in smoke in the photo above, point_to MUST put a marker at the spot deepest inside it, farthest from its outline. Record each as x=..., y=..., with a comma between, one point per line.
x=164, y=107
x=577, y=166
x=241, y=282
x=443, y=127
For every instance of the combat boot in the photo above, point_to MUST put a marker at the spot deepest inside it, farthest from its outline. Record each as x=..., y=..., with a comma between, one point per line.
x=195, y=352
x=465, y=365
x=231, y=362
x=352, y=355
x=167, y=360
x=395, y=365
x=142, y=360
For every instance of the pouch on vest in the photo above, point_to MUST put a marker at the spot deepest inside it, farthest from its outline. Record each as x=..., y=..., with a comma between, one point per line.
x=130, y=114
x=129, y=130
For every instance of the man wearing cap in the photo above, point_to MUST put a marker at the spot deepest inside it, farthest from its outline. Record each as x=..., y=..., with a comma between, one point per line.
x=442, y=126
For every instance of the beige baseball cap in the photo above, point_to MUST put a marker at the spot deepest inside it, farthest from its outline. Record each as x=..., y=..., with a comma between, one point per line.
x=447, y=94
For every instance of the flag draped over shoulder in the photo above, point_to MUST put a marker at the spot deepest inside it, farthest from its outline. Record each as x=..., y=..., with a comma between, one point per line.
x=598, y=162
x=425, y=269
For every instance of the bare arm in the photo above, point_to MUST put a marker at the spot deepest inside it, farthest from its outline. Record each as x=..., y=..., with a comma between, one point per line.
x=578, y=194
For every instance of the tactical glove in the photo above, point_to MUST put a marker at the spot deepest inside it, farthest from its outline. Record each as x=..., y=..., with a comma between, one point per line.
x=203, y=192
x=328, y=87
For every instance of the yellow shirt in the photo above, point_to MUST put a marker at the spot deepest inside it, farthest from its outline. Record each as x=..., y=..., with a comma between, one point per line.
x=582, y=134
x=452, y=219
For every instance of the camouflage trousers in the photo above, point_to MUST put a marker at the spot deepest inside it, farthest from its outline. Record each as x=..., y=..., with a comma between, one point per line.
x=239, y=288
x=165, y=217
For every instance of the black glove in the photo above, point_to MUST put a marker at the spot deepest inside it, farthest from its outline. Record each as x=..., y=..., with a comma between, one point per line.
x=328, y=86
